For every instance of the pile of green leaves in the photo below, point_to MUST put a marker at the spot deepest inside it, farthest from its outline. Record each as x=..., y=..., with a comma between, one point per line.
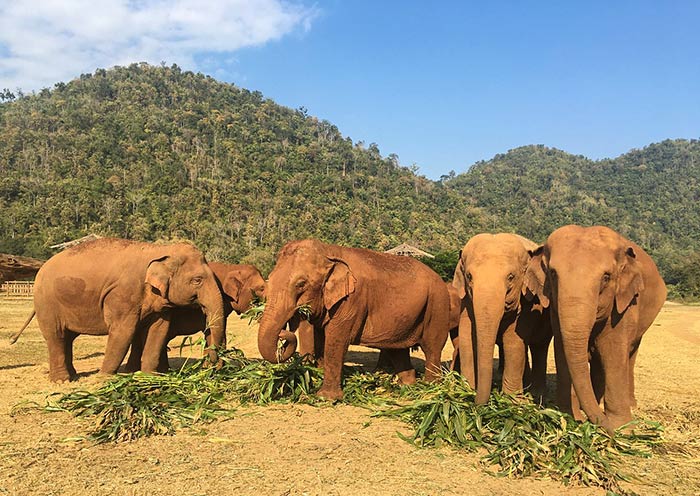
x=130, y=406
x=519, y=437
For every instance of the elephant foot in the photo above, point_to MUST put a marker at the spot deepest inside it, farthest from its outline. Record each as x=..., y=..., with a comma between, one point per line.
x=61, y=377
x=331, y=394
x=578, y=415
x=130, y=368
x=407, y=377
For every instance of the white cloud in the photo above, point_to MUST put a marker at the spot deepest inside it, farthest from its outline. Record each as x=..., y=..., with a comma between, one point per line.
x=46, y=41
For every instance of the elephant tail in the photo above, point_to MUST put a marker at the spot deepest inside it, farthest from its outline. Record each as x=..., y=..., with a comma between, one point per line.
x=15, y=337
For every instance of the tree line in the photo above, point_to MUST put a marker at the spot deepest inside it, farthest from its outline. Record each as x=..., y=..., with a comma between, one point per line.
x=148, y=153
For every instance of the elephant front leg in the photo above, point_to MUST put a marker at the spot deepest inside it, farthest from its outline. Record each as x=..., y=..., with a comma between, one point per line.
x=466, y=348
x=630, y=372
x=133, y=363
x=121, y=334
x=614, y=356
x=155, y=352
x=515, y=352
x=337, y=341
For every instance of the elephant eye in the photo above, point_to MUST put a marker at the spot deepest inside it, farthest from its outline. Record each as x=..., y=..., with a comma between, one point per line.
x=511, y=276
x=604, y=281
x=300, y=284
x=196, y=281
x=469, y=276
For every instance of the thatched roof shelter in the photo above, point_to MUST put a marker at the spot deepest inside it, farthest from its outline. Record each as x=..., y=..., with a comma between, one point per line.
x=407, y=250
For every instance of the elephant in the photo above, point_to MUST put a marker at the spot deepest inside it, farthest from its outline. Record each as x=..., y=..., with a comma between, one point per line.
x=604, y=292
x=385, y=363
x=489, y=280
x=115, y=287
x=238, y=284
x=354, y=296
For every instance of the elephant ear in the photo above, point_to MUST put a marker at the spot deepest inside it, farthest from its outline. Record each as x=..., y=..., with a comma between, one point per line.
x=232, y=286
x=535, y=281
x=630, y=282
x=458, y=281
x=158, y=276
x=340, y=283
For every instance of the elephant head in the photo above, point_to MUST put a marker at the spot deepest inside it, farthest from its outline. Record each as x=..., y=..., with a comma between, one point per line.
x=182, y=277
x=239, y=285
x=589, y=276
x=489, y=279
x=304, y=275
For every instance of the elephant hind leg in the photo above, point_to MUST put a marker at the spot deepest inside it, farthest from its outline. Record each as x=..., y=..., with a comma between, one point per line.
x=400, y=360
x=384, y=363
x=69, y=337
x=539, y=370
x=60, y=362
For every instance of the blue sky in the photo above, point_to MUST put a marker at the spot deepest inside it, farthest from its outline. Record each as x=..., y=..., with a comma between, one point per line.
x=440, y=84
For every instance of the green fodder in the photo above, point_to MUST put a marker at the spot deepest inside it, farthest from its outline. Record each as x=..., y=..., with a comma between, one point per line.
x=519, y=437
x=130, y=406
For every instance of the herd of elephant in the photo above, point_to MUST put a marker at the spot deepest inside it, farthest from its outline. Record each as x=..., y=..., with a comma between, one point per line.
x=589, y=288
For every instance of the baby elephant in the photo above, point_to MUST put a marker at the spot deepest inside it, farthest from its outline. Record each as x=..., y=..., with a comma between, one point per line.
x=238, y=284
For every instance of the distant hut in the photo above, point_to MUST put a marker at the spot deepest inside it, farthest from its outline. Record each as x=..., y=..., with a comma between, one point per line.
x=406, y=250
x=68, y=244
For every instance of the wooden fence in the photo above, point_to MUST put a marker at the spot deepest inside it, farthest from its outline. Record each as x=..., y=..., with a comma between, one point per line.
x=17, y=288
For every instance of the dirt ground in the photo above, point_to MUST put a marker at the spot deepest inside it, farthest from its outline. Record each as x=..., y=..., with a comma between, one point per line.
x=299, y=449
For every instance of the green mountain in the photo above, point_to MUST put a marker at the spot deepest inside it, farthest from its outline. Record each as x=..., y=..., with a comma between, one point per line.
x=151, y=153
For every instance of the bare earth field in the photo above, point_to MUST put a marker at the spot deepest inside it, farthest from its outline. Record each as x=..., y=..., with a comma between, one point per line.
x=299, y=449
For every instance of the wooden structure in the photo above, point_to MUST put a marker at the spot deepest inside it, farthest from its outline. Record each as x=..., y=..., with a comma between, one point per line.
x=407, y=250
x=17, y=288
x=14, y=268
x=68, y=244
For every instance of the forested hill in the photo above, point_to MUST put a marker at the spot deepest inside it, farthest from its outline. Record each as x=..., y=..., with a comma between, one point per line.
x=151, y=153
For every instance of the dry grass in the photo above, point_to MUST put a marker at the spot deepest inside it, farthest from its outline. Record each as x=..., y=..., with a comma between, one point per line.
x=299, y=449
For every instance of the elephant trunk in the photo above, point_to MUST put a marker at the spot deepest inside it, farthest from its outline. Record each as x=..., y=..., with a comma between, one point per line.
x=272, y=324
x=488, y=312
x=212, y=304
x=576, y=320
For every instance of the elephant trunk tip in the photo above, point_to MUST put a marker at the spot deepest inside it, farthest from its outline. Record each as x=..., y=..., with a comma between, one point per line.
x=289, y=346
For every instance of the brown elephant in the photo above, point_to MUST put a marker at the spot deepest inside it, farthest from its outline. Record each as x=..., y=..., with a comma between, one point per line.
x=385, y=359
x=116, y=287
x=604, y=292
x=489, y=280
x=355, y=296
x=238, y=284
